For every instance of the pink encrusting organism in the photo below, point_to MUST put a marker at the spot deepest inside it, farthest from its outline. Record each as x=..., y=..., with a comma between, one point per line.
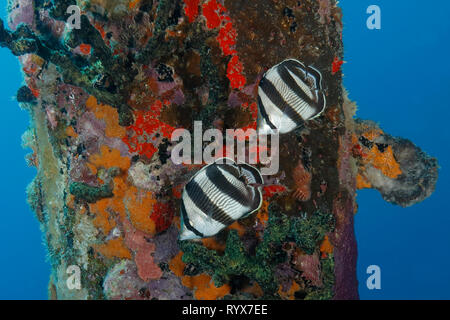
x=302, y=180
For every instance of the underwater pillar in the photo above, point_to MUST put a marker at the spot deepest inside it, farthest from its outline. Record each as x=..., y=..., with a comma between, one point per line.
x=104, y=100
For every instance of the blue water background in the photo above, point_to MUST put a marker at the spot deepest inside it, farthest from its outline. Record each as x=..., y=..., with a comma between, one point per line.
x=399, y=76
x=24, y=272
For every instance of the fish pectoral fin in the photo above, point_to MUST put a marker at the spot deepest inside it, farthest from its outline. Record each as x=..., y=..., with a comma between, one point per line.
x=187, y=234
x=250, y=213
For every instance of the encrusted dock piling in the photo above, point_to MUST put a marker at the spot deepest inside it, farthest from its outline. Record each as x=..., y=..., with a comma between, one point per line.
x=104, y=100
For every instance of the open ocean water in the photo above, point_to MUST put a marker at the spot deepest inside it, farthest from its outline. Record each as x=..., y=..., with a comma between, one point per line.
x=400, y=78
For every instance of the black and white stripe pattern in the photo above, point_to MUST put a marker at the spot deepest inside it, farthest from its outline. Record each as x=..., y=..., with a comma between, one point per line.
x=289, y=94
x=218, y=195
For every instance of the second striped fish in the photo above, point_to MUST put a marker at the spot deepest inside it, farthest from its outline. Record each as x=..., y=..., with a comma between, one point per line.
x=289, y=94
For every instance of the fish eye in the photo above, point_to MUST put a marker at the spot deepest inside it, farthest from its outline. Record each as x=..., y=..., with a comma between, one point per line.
x=243, y=178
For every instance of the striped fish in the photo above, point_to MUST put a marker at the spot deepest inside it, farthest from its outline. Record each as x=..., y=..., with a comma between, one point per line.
x=289, y=94
x=218, y=195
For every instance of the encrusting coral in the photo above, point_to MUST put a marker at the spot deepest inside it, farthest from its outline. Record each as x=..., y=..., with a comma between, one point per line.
x=104, y=101
x=397, y=168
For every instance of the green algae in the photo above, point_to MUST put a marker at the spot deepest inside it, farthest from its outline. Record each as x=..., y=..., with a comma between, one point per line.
x=236, y=261
x=19, y=42
x=309, y=232
x=59, y=9
x=92, y=279
x=327, y=291
x=89, y=193
x=88, y=34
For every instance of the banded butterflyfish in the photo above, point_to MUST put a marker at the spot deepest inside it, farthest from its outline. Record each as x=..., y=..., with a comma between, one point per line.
x=218, y=195
x=289, y=94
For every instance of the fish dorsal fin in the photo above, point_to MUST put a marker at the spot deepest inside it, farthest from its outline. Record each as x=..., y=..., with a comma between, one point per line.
x=257, y=202
x=225, y=160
